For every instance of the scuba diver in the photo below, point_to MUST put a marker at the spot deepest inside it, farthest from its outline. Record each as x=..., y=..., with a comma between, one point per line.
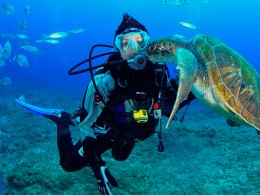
x=123, y=104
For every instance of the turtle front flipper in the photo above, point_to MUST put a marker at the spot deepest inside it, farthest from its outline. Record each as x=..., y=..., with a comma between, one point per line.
x=188, y=72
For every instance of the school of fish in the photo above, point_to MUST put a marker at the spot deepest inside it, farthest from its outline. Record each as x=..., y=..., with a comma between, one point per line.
x=8, y=55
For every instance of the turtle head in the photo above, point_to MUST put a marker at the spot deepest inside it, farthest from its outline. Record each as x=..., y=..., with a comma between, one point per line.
x=164, y=50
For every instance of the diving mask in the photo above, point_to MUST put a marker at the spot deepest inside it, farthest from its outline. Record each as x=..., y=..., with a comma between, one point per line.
x=132, y=41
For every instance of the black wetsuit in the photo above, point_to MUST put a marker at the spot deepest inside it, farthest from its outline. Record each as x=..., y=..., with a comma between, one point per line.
x=121, y=131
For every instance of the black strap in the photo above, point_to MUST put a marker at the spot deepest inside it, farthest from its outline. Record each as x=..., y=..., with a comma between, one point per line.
x=113, y=57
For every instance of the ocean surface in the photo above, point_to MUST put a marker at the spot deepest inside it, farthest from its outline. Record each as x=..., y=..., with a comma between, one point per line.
x=203, y=154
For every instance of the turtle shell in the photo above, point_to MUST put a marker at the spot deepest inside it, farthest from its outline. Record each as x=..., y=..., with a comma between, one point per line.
x=234, y=81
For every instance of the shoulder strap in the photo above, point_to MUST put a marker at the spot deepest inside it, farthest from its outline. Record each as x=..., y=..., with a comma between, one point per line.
x=111, y=58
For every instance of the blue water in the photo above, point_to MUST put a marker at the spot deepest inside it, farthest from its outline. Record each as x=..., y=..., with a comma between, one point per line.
x=234, y=22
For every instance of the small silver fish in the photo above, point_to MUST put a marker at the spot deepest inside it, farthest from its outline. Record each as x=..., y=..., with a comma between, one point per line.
x=78, y=30
x=22, y=25
x=51, y=41
x=176, y=3
x=179, y=3
x=27, y=10
x=21, y=98
x=31, y=48
x=8, y=36
x=188, y=25
x=7, y=50
x=21, y=60
x=22, y=36
x=7, y=9
x=5, y=81
x=56, y=35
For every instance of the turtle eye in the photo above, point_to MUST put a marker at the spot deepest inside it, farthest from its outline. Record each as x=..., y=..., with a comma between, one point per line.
x=165, y=45
x=153, y=47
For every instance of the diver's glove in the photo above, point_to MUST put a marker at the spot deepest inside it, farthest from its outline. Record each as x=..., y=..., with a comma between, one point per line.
x=104, y=179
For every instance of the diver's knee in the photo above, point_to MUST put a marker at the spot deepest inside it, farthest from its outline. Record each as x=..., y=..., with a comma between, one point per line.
x=66, y=167
x=120, y=157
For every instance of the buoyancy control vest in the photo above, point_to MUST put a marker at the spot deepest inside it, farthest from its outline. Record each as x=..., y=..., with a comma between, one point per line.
x=135, y=91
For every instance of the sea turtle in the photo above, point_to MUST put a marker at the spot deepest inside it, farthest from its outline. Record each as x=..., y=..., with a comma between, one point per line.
x=217, y=75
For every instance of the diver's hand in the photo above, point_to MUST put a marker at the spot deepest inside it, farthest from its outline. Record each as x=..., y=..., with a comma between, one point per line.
x=104, y=179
